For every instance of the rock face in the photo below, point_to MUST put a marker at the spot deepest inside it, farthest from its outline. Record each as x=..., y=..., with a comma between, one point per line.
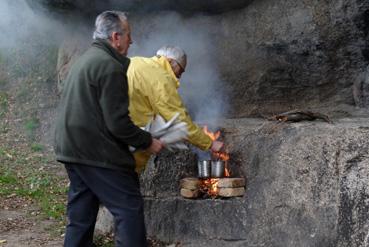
x=96, y=6
x=267, y=57
x=361, y=89
x=307, y=185
x=291, y=54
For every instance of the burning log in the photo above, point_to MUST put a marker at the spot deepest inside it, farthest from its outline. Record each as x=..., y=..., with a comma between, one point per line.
x=210, y=187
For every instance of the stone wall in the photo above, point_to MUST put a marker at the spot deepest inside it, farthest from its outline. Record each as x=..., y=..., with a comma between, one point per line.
x=307, y=185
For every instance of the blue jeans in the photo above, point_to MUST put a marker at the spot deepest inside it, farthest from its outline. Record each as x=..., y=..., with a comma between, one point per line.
x=118, y=191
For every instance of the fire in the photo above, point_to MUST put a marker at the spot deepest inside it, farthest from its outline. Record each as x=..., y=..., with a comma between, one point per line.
x=213, y=136
x=218, y=155
x=226, y=170
x=221, y=155
x=225, y=157
x=210, y=186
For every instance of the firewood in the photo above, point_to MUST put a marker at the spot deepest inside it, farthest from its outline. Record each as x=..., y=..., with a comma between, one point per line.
x=231, y=192
x=186, y=193
x=299, y=115
x=231, y=182
x=190, y=183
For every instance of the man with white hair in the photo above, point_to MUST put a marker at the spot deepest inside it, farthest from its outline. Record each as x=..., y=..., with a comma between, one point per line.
x=93, y=135
x=153, y=89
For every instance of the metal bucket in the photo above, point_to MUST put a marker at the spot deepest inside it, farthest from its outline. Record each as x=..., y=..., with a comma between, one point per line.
x=204, y=167
x=217, y=169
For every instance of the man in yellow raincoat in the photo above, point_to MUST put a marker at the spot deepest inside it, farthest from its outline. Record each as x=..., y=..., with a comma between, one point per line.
x=153, y=89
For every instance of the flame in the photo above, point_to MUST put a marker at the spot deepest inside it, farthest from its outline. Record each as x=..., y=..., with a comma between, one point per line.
x=211, y=186
x=226, y=170
x=213, y=136
x=219, y=155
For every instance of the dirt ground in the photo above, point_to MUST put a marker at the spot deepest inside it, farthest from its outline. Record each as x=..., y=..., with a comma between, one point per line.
x=21, y=225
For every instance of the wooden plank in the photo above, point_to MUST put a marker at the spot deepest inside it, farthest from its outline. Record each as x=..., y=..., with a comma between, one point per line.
x=190, y=183
x=231, y=182
x=231, y=192
x=186, y=193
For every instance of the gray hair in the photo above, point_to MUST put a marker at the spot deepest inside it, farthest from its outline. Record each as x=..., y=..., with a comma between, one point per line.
x=108, y=22
x=173, y=52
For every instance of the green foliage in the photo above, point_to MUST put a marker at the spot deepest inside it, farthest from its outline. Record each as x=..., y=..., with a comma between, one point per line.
x=18, y=177
x=6, y=178
x=3, y=104
x=41, y=188
x=31, y=125
x=37, y=147
x=38, y=187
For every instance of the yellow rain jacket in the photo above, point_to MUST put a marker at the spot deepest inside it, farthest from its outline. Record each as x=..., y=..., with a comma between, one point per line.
x=153, y=89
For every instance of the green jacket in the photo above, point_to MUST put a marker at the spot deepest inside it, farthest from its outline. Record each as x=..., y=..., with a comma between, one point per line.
x=93, y=126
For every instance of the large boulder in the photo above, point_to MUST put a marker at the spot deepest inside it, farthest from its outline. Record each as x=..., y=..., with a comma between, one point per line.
x=307, y=185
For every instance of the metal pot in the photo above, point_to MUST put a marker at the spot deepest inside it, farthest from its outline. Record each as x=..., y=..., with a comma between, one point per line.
x=204, y=167
x=217, y=169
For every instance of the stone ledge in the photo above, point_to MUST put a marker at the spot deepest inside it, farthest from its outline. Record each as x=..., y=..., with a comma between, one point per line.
x=307, y=185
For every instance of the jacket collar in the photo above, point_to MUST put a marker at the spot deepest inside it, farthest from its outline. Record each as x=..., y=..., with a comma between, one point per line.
x=104, y=45
x=163, y=62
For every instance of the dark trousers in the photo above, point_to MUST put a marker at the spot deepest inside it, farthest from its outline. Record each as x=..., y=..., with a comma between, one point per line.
x=118, y=191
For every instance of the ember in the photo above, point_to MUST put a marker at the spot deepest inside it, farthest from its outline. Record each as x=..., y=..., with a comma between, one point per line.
x=210, y=187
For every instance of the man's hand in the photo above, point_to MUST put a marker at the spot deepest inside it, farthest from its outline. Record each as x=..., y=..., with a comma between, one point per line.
x=155, y=146
x=216, y=146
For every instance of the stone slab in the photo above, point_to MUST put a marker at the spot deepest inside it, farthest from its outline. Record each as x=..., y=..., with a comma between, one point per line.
x=231, y=192
x=231, y=182
x=186, y=193
x=190, y=183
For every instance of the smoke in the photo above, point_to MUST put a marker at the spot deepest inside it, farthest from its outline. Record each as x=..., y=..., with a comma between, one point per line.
x=30, y=39
x=201, y=84
x=20, y=25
